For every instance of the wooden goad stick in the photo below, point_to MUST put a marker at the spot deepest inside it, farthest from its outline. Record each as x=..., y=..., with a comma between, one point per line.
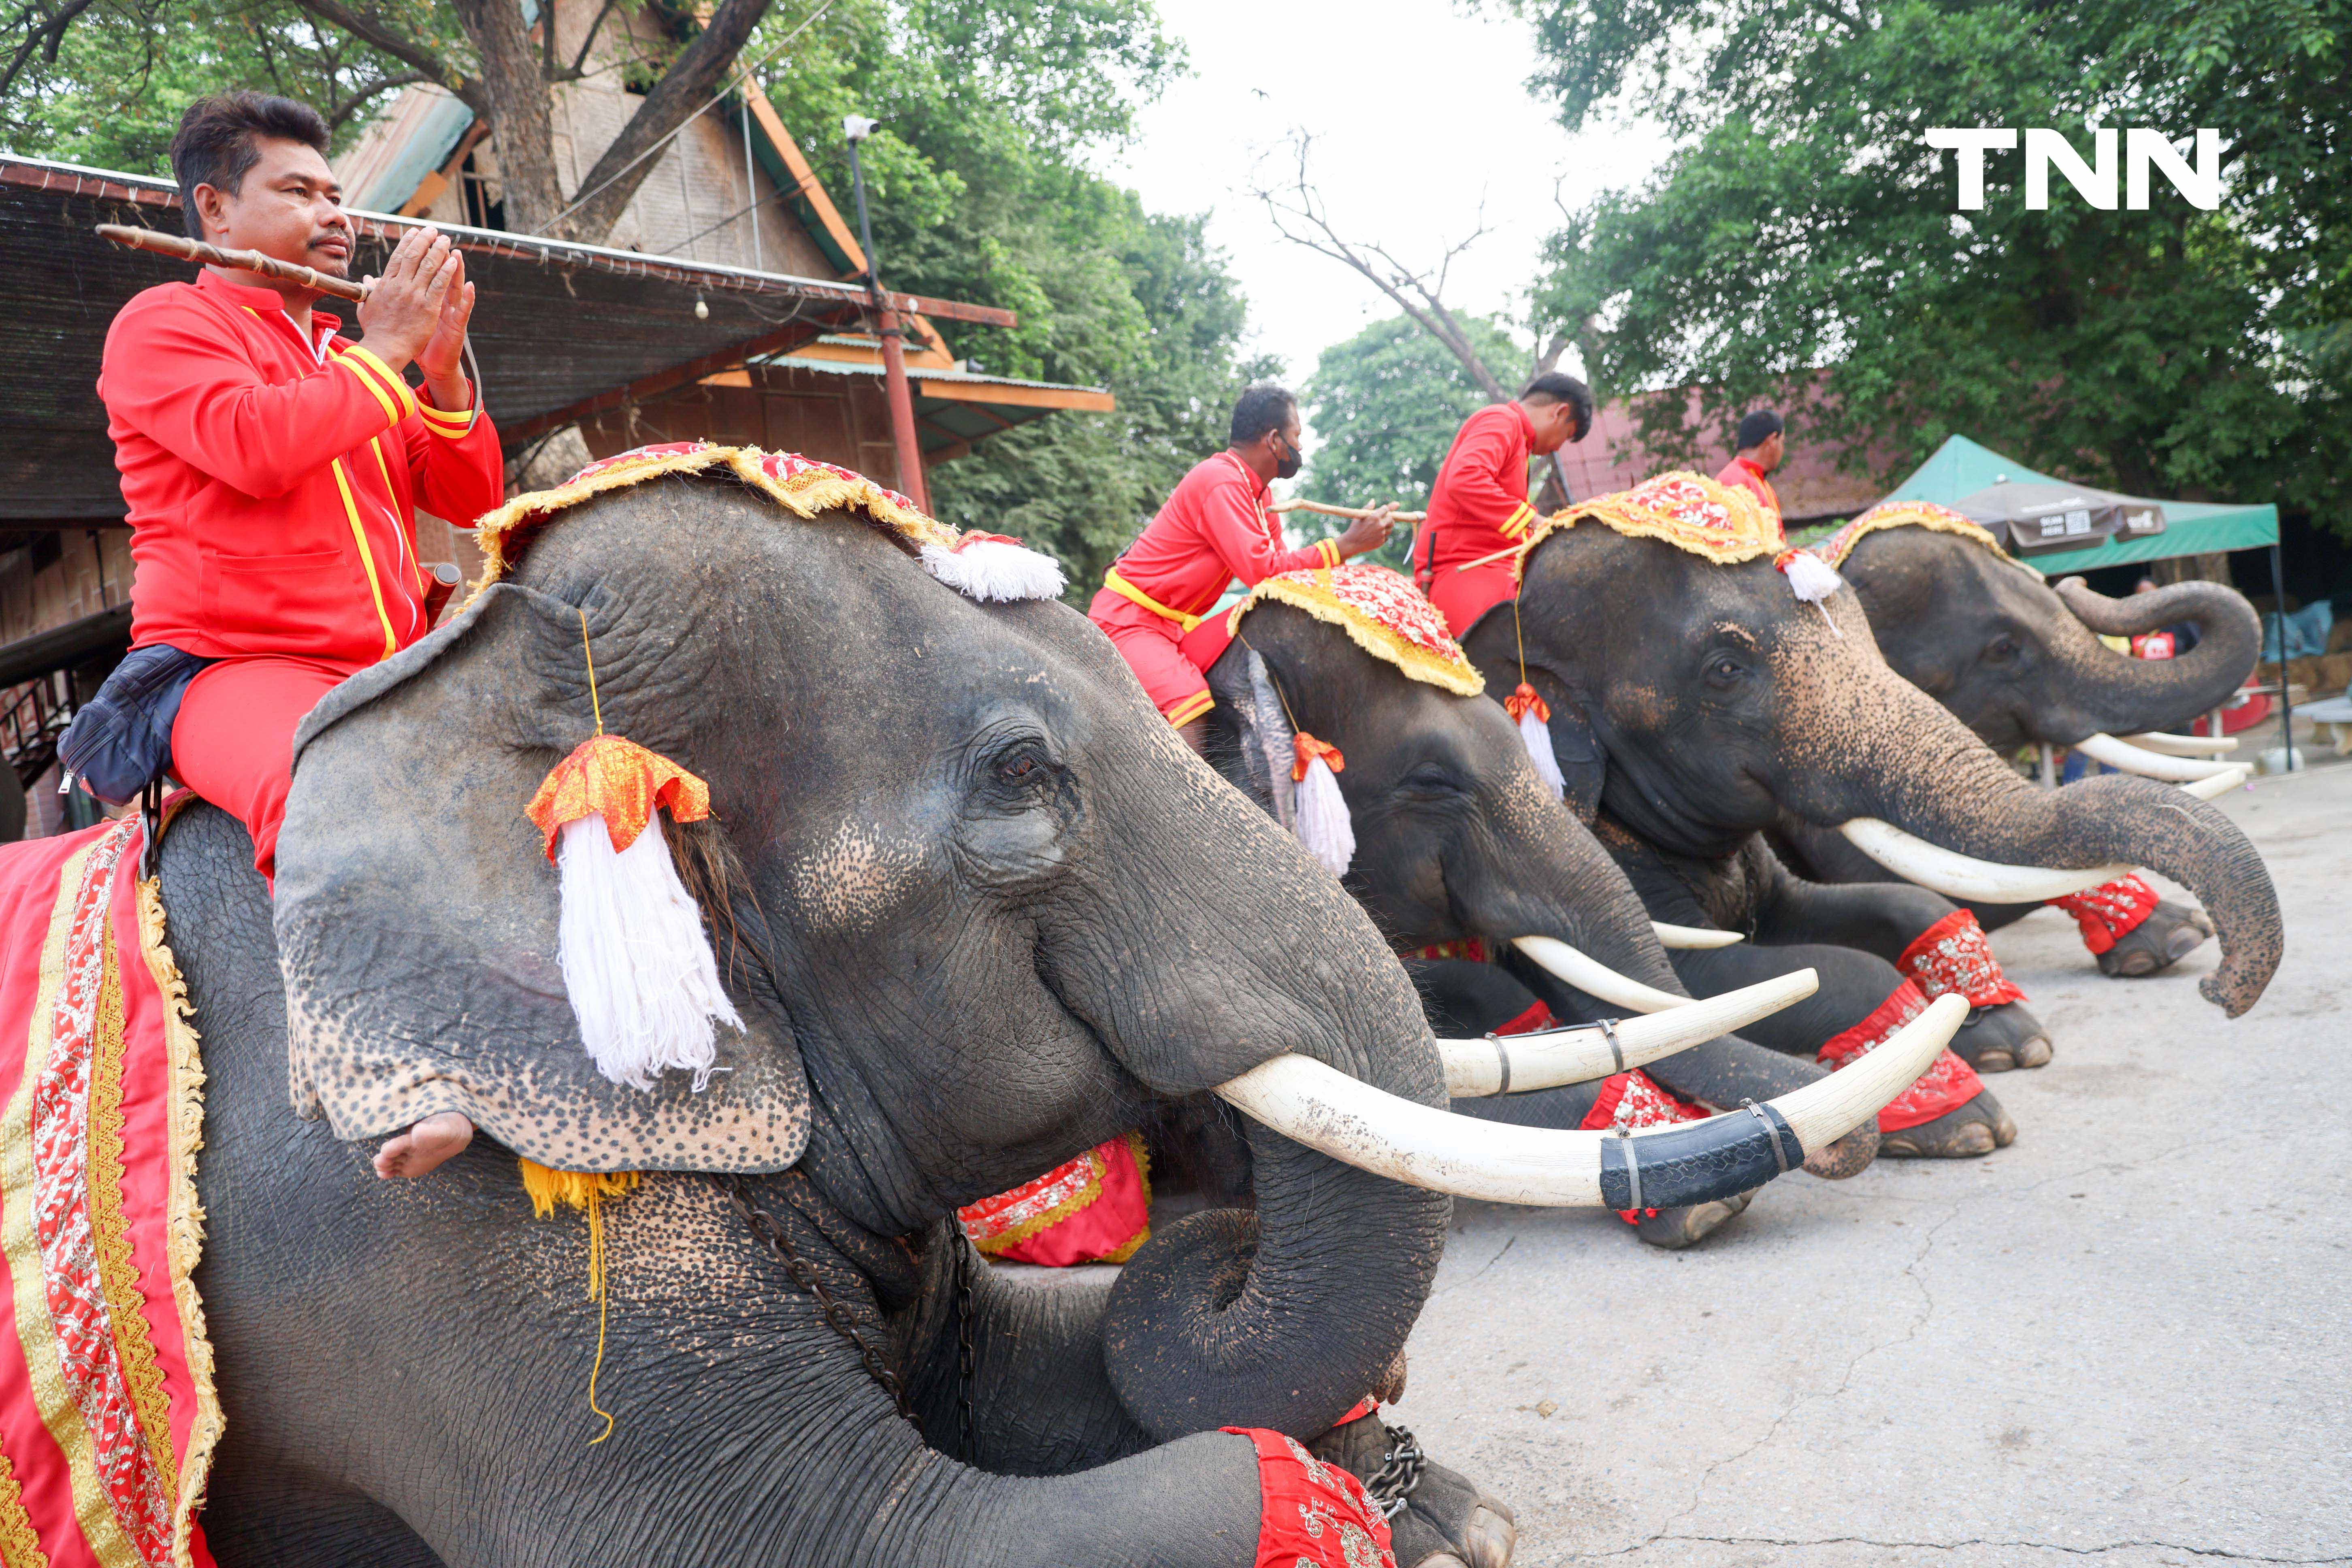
x=1347, y=512
x=187, y=250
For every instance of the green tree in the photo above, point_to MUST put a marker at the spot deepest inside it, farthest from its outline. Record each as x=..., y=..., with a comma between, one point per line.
x=1803, y=242
x=1385, y=405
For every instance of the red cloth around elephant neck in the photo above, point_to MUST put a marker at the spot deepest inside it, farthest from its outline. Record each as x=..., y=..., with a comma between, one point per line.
x=1953, y=958
x=1312, y=1514
x=1095, y=1208
x=1947, y=1085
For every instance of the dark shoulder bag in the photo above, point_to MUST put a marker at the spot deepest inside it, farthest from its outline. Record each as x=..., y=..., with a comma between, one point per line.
x=120, y=741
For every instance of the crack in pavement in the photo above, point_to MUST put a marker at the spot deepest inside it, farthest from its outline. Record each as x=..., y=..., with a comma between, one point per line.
x=2221, y=1552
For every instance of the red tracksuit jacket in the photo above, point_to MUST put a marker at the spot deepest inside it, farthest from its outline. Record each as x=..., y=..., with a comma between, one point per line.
x=273, y=483
x=1477, y=506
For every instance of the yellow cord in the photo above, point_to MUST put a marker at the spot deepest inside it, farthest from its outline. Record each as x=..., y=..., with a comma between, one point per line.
x=594, y=700
x=604, y=1304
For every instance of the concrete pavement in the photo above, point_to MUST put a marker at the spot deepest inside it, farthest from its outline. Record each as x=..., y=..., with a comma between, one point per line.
x=2126, y=1339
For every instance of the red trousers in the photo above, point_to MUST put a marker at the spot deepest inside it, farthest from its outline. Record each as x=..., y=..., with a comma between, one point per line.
x=232, y=742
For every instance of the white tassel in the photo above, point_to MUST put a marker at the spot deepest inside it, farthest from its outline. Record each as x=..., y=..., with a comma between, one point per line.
x=995, y=570
x=1535, y=735
x=1813, y=580
x=637, y=962
x=1323, y=823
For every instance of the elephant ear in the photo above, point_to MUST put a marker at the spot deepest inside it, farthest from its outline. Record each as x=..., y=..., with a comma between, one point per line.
x=1244, y=688
x=416, y=921
x=1583, y=767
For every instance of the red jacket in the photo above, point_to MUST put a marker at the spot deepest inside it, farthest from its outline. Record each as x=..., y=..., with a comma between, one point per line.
x=273, y=483
x=1740, y=474
x=1215, y=528
x=1477, y=506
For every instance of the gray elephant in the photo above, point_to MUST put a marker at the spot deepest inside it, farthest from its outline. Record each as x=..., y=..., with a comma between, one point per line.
x=1696, y=701
x=1457, y=842
x=2020, y=662
x=979, y=911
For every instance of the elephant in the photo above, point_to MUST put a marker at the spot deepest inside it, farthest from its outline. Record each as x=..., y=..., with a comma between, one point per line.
x=1457, y=840
x=980, y=909
x=1695, y=703
x=2020, y=662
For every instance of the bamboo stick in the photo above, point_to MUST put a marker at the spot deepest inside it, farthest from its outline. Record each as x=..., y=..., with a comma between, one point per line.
x=187, y=250
x=1352, y=512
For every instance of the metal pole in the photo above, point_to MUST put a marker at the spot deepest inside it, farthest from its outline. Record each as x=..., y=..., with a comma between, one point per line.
x=894, y=355
x=2286, y=698
x=751, y=170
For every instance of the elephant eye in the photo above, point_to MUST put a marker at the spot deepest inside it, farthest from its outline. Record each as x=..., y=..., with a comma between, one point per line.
x=2003, y=649
x=1021, y=768
x=1722, y=671
x=1429, y=779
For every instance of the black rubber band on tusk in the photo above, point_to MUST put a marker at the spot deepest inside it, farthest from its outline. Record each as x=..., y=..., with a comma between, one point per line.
x=1616, y=1051
x=1784, y=1137
x=1502, y=1060
x=1698, y=1162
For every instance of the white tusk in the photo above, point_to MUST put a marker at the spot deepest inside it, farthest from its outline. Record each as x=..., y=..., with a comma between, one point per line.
x=1691, y=938
x=1595, y=978
x=2183, y=745
x=2219, y=785
x=1324, y=1109
x=1508, y=1064
x=1958, y=875
x=2131, y=759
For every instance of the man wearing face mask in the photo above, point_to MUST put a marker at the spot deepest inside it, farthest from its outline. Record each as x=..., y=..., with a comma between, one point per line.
x=1214, y=529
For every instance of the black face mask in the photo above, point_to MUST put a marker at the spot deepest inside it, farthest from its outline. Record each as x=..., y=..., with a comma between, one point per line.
x=1286, y=465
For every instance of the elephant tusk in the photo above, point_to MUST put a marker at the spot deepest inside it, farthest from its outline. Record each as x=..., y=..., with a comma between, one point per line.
x=1508, y=1064
x=2183, y=745
x=1958, y=875
x=1691, y=938
x=1594, y=978
x=1697, y=1161
x=2131, y=759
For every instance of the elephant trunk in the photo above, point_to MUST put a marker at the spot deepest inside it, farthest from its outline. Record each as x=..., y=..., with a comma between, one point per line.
x=1921, y=771
x=2105, y=692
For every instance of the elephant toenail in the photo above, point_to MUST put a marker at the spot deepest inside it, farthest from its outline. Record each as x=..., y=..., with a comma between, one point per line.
x=2034, y=1053
x=1493, y=1537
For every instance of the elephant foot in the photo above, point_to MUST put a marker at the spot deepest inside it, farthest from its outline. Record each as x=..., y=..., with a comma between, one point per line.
x=1677, y=1228
x=2000, y=1038
x=1446, y=1522
x=2171, y=933
x=1849, y=1156
x=1979, y=1127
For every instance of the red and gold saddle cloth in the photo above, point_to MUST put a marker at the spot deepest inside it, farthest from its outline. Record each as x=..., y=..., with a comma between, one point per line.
x=1382, y=611
x=1095, y=1208
x=107, y=1418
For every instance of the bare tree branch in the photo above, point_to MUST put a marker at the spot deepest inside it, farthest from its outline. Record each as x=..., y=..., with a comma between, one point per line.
x=369, y=27
x=43, y=39
x=579, y=65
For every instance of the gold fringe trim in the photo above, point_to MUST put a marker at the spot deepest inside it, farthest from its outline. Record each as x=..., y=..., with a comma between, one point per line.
x=118, y=1271
x=1134, y=1244
x=184, y=1218
x=20, y=1543
x=1456, y=675
x=1911, y=515
x=503, y=533
x=588, y=1191
x=1757, y=535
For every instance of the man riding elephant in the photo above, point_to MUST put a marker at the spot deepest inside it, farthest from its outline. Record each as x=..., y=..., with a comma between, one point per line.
x=1701, y=683
x=2021, y=663
x=973, y=909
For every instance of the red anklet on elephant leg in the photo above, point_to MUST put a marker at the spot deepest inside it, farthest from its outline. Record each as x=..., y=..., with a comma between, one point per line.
x=1947, y=1085
x=1312, y=1514
x=1631, y=1099
x=2109, y=912
x=1952, y=957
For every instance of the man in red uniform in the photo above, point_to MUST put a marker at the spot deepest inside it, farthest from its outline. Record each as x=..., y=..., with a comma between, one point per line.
x=1479, y=509
x=1761, y=448
x=1214, y=529
x=273, y=466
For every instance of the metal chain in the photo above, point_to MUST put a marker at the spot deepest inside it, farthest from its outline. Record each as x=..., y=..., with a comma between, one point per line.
x=1400, y=1471
x=965, y=1358
x=772, y=1233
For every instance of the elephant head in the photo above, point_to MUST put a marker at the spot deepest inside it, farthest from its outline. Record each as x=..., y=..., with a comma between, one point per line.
x=1694, y=698
x=1456, y=836
x=2019, y=660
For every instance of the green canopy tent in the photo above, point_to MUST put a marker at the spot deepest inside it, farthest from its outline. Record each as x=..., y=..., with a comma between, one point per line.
x=1962, y=468
x=1959, y=468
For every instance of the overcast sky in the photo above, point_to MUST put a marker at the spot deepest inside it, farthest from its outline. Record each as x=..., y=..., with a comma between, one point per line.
x=1420, y=112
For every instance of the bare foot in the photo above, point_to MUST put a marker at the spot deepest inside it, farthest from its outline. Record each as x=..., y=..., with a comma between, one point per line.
x=420, y=1150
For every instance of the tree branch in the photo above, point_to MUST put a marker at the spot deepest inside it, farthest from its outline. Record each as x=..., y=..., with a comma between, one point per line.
x=374, y=29
x=45, y=39
x=579, y=65
x=681, y=92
